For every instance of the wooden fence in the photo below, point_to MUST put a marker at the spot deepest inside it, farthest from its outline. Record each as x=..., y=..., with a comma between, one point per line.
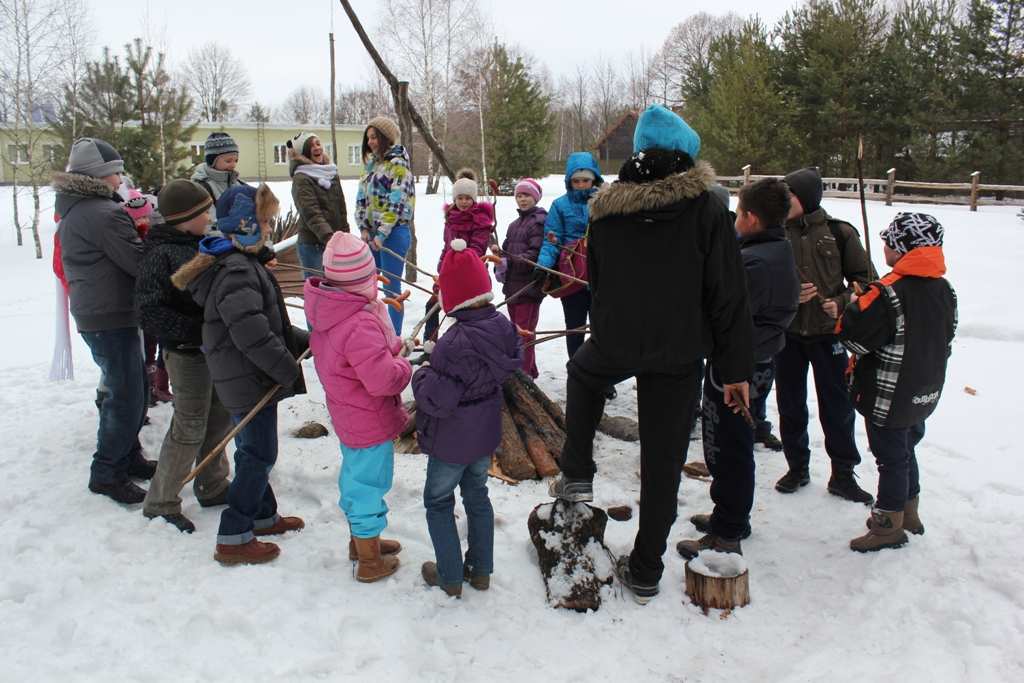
x=914, y=191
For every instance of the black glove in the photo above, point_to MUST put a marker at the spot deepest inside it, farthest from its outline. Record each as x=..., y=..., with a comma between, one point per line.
x=539, y=276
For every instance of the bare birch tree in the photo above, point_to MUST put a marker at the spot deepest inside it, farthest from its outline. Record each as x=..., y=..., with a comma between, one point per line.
x=217, y=81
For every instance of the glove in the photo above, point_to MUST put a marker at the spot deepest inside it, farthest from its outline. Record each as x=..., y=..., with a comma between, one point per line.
x=428, y=347
x=501, y=270
x=408, y=346
x=539, y=276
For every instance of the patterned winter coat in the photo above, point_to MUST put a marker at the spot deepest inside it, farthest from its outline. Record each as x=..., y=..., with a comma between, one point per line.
x=901, y=332
x=387, y=194
x=474, y=225
x=356, y=354
x=166, y=312
x=458, y=396
x=524, y=238
x=569, y=214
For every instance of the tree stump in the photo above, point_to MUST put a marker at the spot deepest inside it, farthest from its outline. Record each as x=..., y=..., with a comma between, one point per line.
x=574, y=561
x=717, y=580
x=310, y=430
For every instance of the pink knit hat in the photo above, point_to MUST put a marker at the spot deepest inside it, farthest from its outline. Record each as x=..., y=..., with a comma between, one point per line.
x=529, y=186
x=348, y=264
x=137, y=205
x=463, y=280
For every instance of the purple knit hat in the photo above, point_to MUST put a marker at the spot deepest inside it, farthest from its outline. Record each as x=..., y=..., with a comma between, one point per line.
x=529, y=186
x=348, y=264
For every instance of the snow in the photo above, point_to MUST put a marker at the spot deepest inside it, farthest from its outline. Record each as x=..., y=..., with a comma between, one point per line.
x=718, y=565
x=92, y=591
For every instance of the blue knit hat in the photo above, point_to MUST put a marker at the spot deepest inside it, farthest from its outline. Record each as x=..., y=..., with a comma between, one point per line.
x=660, y=128
x=236, y=214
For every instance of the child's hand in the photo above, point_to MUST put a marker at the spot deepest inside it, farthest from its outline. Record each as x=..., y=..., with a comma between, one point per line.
x=831, y=308
x=495, y=250
x=551, y=238
x=408, y=346
x=526, y=334
x=365, y=234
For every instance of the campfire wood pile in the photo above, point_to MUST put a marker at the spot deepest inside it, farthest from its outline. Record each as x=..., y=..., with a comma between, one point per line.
x=532, y=434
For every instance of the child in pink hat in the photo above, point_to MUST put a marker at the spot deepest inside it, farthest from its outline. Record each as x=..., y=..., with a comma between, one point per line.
x=358, y=359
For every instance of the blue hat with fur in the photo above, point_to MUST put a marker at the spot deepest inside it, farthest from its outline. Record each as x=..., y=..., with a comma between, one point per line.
x=236, y=215
x=661, y=128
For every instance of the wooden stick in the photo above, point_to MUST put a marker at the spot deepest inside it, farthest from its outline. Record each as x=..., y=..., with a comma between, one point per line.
x=557, y=335
x=240, y=426
x=406, y=262
x=402, y=279
x=516, y=294
x=863, y=202
x=548, y=270
x=419, y=326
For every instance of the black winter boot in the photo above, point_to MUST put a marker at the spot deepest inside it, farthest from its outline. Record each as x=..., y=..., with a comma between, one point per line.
x=142, y=468
x=844, y=485
x=702, y=523
x=124, y=491
x=770, y=441
x=792, y=480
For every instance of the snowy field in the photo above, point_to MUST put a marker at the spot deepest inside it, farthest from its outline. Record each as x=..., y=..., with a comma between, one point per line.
x=92, y=591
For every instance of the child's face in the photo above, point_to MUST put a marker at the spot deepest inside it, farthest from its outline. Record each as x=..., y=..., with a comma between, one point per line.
x=582, y=183
x=463, y=202
x=316, y=150
x=372, y=141
x=746, y=222
x=196, y=226
x=226, y=162
x=891, y=255
x=525, y=201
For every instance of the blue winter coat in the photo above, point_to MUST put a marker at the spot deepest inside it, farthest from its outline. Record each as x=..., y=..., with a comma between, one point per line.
x=569, y=214
x=458, y=396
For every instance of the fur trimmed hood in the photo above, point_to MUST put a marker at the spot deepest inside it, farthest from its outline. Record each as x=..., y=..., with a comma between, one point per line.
x=622, y=198
x=81, y=185
x=192, y=269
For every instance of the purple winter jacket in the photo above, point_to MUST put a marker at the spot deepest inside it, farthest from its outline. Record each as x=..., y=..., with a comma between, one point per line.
x=524, y=238
x=458, y=395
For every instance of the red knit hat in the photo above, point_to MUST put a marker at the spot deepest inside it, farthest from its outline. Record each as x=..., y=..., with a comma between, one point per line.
x=463, y=280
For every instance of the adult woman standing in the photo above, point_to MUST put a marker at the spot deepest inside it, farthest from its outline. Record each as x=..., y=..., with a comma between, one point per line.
x=386, y=200
x=316, y=190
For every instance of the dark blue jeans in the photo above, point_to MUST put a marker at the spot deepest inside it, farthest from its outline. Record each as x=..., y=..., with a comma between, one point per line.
x=121, y=400
x=251, y=501
x=439, y=499
x=898, y=476
x=398, y=241
x=310, y=256
x=576, y=309
x=827, y=359
x=760, y=388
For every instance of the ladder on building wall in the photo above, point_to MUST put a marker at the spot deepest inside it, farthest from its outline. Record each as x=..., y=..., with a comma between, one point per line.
x=261, y=150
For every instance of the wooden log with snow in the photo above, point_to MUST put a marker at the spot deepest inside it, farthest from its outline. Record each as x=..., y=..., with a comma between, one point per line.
x=574, y=562
x=717, y=580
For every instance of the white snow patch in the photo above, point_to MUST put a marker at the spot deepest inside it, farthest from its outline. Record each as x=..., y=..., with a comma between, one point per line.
x=718, y=565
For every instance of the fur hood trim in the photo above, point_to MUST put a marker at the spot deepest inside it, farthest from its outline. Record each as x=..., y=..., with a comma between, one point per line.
x=192, y=269
x=82, y=185
x=621, y=198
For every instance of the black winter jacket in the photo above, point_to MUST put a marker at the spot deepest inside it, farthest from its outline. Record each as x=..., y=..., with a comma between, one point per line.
x=773, y=287
x=249, y=342
x=166, y=312
x=901, y=332
x=100, y=252
x=666, y=277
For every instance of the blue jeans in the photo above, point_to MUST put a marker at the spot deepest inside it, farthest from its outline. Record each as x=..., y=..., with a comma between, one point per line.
x=439, y=499
x=310, y=256
x=251, y=501
x=121, y=400
x=365, y=478
x=398, y=241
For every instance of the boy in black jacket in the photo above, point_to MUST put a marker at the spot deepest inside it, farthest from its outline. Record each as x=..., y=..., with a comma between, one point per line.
x=773, y=288
x=250, y=347
x=200, y=421
x=901, y=333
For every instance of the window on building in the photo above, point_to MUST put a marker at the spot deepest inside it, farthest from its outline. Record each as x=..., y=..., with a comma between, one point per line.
x=17, y=154
x=355, y=155
x=54, y=154
x=198, y=152
x=280, y=154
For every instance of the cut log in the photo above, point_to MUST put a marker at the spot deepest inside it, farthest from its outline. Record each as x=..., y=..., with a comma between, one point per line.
x=495, y=471
x=574, y=561
x=716, y=592
x=310, y=430
x=524, y=402
x=549, y=406
x=536, y=448
x=620, y=513
x=622, y=428
x=512, y=455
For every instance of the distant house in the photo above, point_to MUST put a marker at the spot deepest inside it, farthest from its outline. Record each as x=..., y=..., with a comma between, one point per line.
x=616, y=144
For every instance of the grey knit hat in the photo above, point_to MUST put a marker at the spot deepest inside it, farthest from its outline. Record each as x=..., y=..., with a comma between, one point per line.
x=94, y=157
x=218, y=143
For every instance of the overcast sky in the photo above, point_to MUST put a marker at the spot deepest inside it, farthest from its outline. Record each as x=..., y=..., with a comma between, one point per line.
x=283, y=43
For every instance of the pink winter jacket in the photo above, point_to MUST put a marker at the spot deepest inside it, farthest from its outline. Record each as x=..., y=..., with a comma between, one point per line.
x=356, y=357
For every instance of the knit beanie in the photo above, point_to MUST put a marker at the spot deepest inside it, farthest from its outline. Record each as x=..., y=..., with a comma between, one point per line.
x=298, y=145
x=911, y=230
x=137, y=205
x=94, y=157
x=464, y=186
x=463, y=280
x=531, y=187
x=349, y=265
x=236, y=214
x=387, y=128
x=805, y=185
x=218, y=143
x=182, y=200
x=661, y=128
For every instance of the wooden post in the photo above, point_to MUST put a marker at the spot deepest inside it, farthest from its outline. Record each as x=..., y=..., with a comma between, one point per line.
x=746, y=174
x=334, y=132
x=890, y=186
x=975, y=181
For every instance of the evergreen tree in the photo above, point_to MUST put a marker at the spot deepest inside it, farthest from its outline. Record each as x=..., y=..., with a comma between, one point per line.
x=517, y=123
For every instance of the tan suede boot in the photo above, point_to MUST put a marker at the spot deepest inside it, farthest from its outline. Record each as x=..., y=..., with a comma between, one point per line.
x=911, y=520
x=387, y=547
x=885, y=531
x=372, y=567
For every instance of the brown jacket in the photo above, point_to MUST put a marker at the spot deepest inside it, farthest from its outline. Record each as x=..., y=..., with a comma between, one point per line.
x=321, y=212
x=832, y=258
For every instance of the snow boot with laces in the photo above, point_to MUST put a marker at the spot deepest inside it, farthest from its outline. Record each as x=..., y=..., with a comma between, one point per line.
x=792, y=480
x=572, y=490
x=702, y=523
x=769, y=441
x=884, y=531
x=642, y=592
x=691, y=548
x=844, y=485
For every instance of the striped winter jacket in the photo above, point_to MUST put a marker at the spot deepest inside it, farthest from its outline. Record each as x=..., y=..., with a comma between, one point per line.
x=901, y=333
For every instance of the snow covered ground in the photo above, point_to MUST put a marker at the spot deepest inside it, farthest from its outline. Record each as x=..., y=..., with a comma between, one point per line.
x=92, y=591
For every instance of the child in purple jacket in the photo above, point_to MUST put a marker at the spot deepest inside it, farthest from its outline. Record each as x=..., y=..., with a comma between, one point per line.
x=523, y=240
x=458, y=419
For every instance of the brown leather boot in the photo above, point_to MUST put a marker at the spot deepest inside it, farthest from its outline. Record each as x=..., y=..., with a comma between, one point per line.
x=372, y=566
x=691, y=548
x=282, y=526
x=884, y=531
x=480, y=582
x=429, y=573
x=387, y=547
x=253, y=552
x=911, y=520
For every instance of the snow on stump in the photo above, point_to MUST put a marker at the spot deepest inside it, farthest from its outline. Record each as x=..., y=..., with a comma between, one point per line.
x=575, y=564
x=717, y=580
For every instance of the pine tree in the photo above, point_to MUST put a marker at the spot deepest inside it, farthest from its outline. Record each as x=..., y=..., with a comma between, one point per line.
x=517, y=121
